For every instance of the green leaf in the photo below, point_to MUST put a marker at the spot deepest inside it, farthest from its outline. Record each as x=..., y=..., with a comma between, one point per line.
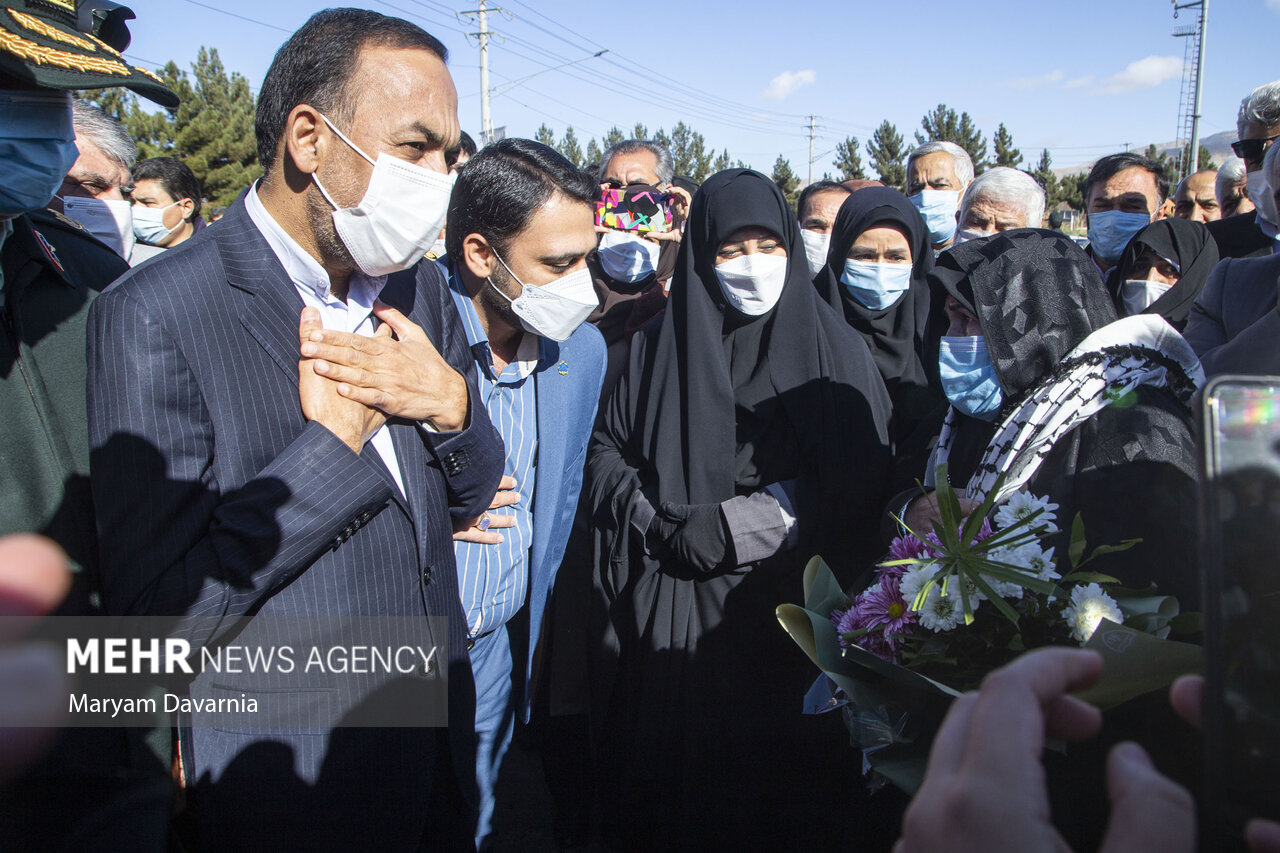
x=1076, y=551
x=1089, y=577
x=974, y=523
x=1187, y=623
x=999, y=603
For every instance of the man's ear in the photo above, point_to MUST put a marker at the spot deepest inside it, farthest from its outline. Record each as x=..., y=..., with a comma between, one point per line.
x=188, y=207
x=478, y=256
x=306, y=138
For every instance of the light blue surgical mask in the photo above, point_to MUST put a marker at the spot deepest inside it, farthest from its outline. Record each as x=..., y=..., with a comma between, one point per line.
x=1111, y=230
x=969, y=378
x=37, y=148
x=938, y=207
x=876, y=285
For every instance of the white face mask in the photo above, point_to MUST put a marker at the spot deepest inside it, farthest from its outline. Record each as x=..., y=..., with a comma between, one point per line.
x=108, y=219
x=399, y=216
x=1138, y=296
x=148, y=224
x=815, y=250
x=556, y=309
x=964, y=235
x=1264, y=200
x=753, y=283
x=627, y=257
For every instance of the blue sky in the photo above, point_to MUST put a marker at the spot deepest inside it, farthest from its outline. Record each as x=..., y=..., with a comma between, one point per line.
x=1081, y=79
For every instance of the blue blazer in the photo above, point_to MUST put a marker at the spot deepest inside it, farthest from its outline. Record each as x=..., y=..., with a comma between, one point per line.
x=567, y=385
x=219, y=505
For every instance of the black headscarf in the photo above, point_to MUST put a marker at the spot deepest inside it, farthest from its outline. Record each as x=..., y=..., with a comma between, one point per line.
x=894, y=333
x=734, y=402
x=1036, y=295
x=1188, y=245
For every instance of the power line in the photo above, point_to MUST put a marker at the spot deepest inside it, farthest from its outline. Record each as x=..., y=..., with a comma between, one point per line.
x=240, y=17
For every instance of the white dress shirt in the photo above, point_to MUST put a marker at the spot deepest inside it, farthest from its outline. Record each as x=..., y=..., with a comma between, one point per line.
x=354, y=316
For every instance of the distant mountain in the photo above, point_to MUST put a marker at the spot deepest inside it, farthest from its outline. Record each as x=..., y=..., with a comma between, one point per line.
x=1219, y=145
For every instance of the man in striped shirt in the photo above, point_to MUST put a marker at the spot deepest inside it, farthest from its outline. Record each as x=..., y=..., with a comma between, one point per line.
x=520, y=228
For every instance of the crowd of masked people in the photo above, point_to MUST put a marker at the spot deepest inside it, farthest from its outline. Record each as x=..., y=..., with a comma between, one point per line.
x=400, y=378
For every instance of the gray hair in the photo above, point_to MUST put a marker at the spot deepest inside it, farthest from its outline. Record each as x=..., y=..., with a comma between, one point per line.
x=102, y=130
x=666, y=165
x=1262, y=106
x=1271, y=168
x=1003, y=185
x=1230, y=174
x=963, y=163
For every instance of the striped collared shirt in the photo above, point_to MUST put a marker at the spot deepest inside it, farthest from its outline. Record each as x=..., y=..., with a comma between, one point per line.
x=493, y=580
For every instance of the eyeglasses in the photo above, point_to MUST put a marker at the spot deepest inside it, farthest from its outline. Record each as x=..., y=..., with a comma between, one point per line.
x=1252, y=149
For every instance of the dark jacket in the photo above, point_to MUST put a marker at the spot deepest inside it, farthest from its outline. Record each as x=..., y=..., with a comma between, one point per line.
x=221, y=506
x=97, y=789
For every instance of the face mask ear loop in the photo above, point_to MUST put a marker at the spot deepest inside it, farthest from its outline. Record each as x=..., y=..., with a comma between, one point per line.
x=343, y=137
x=509, y=272
x=315, y=176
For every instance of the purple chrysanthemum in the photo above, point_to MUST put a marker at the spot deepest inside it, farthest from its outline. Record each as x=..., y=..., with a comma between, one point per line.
x=883, y=607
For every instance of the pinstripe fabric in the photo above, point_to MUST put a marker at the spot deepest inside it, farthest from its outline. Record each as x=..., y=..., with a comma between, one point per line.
x=494, y=579
x=218, y=504
x=353, y=315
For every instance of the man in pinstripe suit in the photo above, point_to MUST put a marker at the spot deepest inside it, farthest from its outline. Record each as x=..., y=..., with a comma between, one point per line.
x=258, y=495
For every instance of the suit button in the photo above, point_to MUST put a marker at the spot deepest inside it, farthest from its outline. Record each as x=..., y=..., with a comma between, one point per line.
x=426, y=574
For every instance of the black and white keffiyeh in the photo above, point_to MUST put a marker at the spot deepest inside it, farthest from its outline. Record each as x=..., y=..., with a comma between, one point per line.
x=1100, y=371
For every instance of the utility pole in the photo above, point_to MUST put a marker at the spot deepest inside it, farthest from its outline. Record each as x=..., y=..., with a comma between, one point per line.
x=1192, y=160
x=482, y=19
x=812, y=120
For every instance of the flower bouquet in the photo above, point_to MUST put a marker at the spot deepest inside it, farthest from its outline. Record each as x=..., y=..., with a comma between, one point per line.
x=947, y=607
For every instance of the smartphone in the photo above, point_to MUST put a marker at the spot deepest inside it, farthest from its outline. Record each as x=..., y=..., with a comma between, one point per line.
x=635, y=208
x=1240, y=538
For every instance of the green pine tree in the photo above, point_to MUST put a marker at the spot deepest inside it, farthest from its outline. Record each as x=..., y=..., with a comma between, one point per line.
x=639, y=131
x=1047, y=179
x=570, y=148
x=613, y=137
x=848, y=160
x=1006, y=154
x=689, y=151
x=787, y=181
x=942, y=124
x=722, y=162
x=215, y=130
x=593, y=155
x=546, y=136
x=887, y=152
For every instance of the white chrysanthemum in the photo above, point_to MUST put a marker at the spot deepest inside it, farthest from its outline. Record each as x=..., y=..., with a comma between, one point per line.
x=913, y=580
x=1021, y=505
x=942, y=612
x=1010, y=557
x=1039, y=562
x=1089, y=606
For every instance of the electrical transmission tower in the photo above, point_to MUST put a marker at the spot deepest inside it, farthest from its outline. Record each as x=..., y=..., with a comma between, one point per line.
x=1192, y=79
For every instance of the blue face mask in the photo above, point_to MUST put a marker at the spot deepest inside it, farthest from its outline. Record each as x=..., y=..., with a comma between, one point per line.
x=876, y=285
x=938, y=207
x=969, y=378
x=37, y=147
x=1111, y=230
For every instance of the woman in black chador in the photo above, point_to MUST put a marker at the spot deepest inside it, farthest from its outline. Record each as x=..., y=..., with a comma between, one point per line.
x=876, y=276
x=747, y=433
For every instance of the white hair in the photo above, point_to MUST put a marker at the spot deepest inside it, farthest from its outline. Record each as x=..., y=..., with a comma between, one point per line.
x=1262, y=106
x=1002, y=185
x=1230, y=175
x=1271, y=168
x=666, y=168
x=963, y=163
x=102, y=130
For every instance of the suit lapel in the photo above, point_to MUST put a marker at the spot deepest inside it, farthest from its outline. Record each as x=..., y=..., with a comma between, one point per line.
x=271, y=316
x=272, y=313
x=553, y=391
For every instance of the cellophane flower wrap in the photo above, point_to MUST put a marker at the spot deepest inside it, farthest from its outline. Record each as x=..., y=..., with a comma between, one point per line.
x=948, y=606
